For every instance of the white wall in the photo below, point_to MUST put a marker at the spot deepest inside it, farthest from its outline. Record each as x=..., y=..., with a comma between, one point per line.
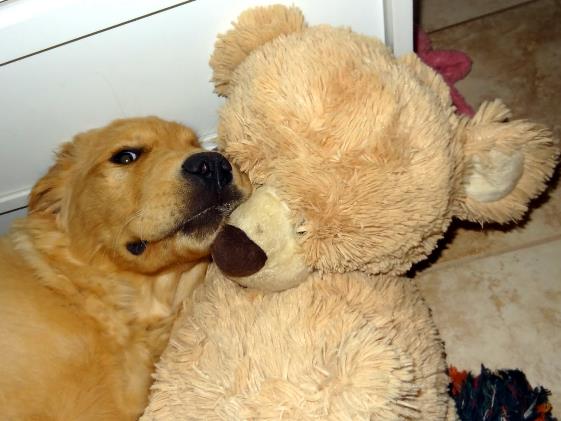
x=28, y=26
x=157, y=65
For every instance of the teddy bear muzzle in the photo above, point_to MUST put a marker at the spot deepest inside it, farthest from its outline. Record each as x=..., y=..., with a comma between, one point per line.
x=235, y=254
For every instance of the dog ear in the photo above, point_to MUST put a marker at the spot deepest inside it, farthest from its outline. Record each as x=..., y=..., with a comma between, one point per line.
x=506, y=164
x=49, y=192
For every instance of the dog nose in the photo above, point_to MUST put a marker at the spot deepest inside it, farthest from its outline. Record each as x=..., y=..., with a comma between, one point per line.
x=211, y=167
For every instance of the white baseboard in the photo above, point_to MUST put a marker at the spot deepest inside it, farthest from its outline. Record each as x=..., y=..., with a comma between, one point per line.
x=209, y=141
x=14, y=200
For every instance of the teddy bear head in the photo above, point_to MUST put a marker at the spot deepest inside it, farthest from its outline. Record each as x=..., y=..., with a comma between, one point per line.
x=358, y=159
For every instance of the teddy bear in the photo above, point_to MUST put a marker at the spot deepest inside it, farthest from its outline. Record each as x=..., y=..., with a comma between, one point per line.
x=358, y=163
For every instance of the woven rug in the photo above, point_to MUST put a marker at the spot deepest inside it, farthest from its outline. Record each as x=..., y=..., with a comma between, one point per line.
x=503, y=395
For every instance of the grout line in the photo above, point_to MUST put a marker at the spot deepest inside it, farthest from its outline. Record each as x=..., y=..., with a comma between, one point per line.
x=485, y=15
x=469, y=259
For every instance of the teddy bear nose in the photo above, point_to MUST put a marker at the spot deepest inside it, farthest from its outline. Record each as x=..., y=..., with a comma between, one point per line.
x=211, y=167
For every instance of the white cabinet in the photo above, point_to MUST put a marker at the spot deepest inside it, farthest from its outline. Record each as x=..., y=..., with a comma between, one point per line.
x=70, y=65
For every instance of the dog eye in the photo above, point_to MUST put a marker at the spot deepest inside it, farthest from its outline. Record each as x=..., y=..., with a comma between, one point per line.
x=126, y=156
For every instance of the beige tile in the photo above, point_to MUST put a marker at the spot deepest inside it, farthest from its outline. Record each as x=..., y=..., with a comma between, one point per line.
x=437, y=14
x=516, y=56
x=542, y=223
x=502, y=311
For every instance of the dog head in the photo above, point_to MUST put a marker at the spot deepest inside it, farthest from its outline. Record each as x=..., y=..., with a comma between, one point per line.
x=139, y=192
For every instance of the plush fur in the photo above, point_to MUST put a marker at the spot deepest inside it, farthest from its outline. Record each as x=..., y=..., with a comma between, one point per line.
x=359, y=163
x=336, y=347
x=82, y=319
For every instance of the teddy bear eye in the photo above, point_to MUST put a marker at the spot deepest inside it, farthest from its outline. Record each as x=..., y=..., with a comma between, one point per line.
x=126, y=156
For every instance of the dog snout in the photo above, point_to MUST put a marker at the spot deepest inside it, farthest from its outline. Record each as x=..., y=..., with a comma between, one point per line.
x=211, y=167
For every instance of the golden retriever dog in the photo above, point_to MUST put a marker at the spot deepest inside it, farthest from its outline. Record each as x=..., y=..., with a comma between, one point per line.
x=117, y=236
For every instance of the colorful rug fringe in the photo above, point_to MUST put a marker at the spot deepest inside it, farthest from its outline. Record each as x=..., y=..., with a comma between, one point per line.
x=503, y=395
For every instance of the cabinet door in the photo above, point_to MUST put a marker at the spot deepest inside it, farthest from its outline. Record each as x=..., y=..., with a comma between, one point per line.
x=75, y=65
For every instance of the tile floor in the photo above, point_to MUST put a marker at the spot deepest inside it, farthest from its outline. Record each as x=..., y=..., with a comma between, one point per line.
x=496, y=293
x=438, y=14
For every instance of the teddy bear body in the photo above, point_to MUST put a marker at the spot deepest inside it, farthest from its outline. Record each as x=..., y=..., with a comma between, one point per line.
x=359, y=164
x=335, y=347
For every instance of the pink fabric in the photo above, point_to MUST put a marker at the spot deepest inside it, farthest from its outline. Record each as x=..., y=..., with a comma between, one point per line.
x=451, y=64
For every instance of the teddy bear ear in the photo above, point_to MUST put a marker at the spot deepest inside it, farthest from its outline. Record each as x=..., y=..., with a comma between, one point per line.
x=506, y=164
x=254, y=27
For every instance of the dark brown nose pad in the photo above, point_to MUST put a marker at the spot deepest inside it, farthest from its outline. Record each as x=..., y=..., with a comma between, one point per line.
x=211, y=167
x=236, y=254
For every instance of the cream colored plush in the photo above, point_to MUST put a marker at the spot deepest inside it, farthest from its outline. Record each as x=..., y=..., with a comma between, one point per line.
x=359, y=164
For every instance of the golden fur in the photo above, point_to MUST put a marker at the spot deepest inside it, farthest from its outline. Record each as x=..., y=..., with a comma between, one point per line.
x=82, y=319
